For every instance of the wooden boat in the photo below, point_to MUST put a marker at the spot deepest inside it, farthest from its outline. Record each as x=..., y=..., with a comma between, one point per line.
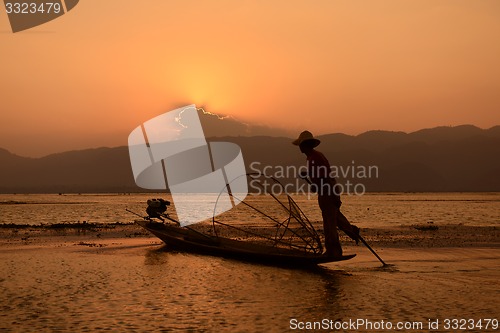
x=188, y=240
x=277, y=232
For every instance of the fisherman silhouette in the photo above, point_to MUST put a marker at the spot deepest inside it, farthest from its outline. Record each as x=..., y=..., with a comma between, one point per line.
x=318, y=175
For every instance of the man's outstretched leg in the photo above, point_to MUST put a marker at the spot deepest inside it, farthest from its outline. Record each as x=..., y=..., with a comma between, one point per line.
x=350, y=229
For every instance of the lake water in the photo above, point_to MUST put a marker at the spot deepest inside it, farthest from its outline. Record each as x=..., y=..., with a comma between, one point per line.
x=136, y=285
x=367, y=211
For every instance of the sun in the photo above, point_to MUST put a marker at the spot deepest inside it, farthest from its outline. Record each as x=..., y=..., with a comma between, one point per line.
x=208, y=84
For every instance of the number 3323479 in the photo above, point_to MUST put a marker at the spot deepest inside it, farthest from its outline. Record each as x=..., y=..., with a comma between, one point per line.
x=32, y=8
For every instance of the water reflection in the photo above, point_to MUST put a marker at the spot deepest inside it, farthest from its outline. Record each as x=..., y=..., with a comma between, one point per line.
x=156, y=256
x=199, y=290
x=151, y=290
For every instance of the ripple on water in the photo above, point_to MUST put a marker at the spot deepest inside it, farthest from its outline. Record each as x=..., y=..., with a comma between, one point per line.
x=143, y=289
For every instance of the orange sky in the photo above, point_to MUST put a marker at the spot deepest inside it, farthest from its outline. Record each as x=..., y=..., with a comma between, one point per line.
x=89, y=77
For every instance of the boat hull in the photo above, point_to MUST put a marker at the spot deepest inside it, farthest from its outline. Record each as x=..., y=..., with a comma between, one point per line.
x=191, y=241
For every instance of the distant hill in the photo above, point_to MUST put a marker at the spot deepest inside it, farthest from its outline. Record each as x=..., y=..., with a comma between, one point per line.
x=463, y=158
x=91, y=170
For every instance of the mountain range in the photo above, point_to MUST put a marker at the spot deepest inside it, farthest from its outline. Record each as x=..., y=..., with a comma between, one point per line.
x=461, y=158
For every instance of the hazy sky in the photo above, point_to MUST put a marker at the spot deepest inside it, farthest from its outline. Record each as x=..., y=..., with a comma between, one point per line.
x=91, y=76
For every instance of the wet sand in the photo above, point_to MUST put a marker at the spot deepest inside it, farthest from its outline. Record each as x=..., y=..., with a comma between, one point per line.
x=415, y=236
x=121, y=279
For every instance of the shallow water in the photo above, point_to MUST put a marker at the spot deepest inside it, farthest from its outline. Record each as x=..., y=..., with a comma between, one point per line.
x=367, y=211
x=135, y=285
x=140, y=287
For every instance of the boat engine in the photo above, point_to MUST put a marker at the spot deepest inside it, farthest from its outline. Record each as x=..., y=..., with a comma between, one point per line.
x=157, y=208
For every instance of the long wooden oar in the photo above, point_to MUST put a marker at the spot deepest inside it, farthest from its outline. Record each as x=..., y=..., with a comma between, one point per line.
x=370, y=248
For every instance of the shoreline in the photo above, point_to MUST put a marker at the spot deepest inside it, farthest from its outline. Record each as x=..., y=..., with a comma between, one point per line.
x=86, y=234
